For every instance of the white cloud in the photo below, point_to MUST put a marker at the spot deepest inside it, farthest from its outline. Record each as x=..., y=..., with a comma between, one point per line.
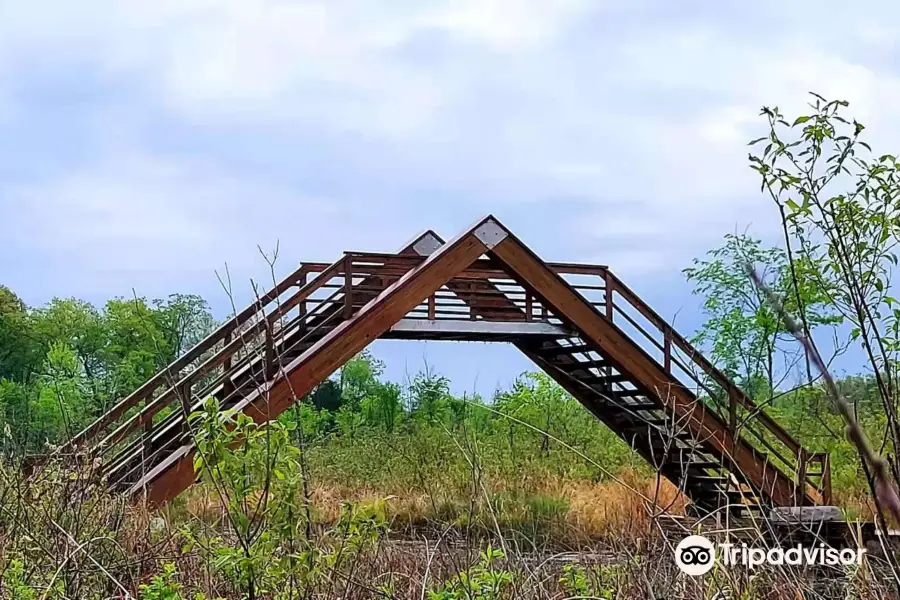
x=498, y=102
x=138, y=213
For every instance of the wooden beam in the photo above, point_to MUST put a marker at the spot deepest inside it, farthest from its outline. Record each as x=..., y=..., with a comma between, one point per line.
x=576, y=300
x=332, y=351
x=629, y=358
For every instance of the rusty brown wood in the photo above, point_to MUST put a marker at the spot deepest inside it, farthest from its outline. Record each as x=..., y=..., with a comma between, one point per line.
x=826, y=478
x=630, y=359
x=220, y=357
x=173, y=369
x=702, y=362
x=332, y=351
x=270, y=364
x=482, y=269
x=348, y=288
x=667, y=353
x=473, y=283
x=148, y=436
x=802, y=459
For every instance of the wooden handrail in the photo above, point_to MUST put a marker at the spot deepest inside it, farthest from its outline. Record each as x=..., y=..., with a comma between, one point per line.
x=735, y=394
x=701, y=361
x=225, y=354
x=224, y=330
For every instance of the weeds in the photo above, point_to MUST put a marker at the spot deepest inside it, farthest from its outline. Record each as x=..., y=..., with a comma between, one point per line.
x=253, y=544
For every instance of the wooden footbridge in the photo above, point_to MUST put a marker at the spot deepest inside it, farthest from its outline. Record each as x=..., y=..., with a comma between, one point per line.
x=579, y=323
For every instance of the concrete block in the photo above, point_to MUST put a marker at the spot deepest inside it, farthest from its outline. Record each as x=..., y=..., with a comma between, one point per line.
x=806, y=514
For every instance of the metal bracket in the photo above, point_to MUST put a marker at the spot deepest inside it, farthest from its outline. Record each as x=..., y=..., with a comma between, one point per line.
x=427, y=244
x=491, y=233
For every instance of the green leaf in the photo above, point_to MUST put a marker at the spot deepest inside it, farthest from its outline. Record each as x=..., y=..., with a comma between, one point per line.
x=800, y=121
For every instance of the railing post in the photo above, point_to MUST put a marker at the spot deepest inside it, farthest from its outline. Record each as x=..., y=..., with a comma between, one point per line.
x=529, y=306
x=432, y=308
x=270, y=351
x=348, y=287
x=667, y=351
x=802, y=458
x=607, y=279
x=148, y=435
x=184, y=396
x=826, y=478
x=228, y=384
x=301, y=308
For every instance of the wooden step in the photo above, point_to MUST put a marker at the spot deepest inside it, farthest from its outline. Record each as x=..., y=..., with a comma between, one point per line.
x=637, y=407
x=582, y=366
x=704, y=465
x=709, y=478
x=559, y=350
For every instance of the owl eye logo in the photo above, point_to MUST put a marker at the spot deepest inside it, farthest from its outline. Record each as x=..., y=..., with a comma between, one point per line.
x=695, y=555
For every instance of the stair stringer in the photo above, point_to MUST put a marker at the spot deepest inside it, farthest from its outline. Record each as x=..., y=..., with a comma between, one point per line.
x=628, y=358
x=675, y=470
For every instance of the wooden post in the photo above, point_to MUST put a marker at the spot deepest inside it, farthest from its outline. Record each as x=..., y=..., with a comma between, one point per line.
x=432, y=309
x=826, y=478
x=148, y=435
x=270, y=351
x=348, y=287
x=301, y=308
x=609, y=295
x=184, y=396
x=667, y=351
x=802, y=458
x=529, y=307
x=228, y=384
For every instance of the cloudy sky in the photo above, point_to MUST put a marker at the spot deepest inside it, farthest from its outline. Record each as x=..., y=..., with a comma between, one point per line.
x=147, y=144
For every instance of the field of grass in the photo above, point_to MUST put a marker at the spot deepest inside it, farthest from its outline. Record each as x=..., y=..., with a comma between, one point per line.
x=425, y=512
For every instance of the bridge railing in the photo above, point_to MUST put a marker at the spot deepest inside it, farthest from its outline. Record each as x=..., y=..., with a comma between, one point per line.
x=744, y=417
x=250, y=347
x=239, y=343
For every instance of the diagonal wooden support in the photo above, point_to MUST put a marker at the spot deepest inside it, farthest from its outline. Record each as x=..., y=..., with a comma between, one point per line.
x=522, y=264
x=175, y=474
x=555, y=293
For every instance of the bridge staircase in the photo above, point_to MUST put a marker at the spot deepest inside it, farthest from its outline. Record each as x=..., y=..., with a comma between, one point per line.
x=579, y=323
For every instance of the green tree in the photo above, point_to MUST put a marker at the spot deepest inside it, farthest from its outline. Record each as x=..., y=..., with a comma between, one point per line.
x=840, y=214
x=742, y=333
x=184, y=320
x=429, y=397
x=19, y=350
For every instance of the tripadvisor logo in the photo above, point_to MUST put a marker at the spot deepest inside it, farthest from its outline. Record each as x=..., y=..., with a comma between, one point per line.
x=696, y=555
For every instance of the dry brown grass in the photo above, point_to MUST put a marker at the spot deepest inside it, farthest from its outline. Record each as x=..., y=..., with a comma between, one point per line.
x=593, y=510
